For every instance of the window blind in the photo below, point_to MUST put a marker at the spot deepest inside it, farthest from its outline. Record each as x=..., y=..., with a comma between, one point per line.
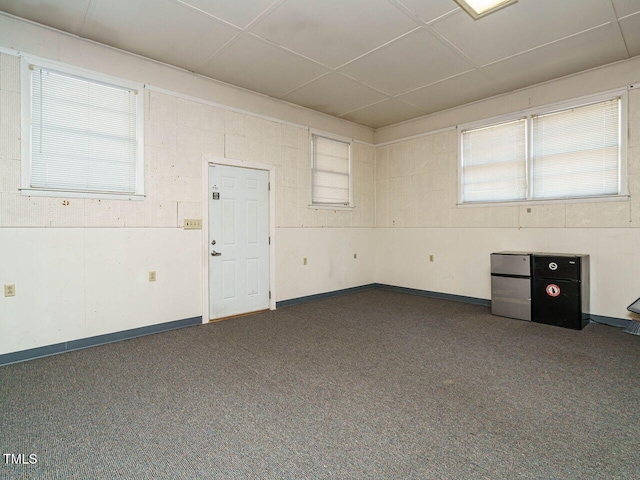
x=576, y=151
x=330, y=171
x=494, y=163
x=83, y=134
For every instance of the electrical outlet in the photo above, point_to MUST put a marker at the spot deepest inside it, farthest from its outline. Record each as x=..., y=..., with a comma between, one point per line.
x=152, y=276
x=304, y=261
x=9, y=290
x=193, y=224
x=431, y=258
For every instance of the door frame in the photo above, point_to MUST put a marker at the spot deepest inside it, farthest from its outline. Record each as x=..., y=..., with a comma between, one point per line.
x=209, y=160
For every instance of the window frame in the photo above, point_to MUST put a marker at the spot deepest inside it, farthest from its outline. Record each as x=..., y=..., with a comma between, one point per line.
x=26, y=63
x=334, y=138
x=528, y=114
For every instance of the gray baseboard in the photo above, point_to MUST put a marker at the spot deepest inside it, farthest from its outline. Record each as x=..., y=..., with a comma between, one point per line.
x=411, y=291
x=45, y=351
x=427, y=293
x=611, y=321
x=320, y=296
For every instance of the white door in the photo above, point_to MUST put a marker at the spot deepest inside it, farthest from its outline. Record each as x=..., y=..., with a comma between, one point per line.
x=238, y=241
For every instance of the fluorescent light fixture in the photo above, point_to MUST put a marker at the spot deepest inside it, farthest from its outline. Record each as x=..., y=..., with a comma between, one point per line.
x=479, y=8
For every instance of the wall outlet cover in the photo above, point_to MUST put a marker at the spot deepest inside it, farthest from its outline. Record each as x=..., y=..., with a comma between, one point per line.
x=9, y=290
x=152, y=276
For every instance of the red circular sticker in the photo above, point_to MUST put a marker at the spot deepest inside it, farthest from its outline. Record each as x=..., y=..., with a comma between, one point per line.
x=553, y=290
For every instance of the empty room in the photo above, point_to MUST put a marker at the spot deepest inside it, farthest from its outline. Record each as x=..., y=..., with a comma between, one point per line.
x=320, y=239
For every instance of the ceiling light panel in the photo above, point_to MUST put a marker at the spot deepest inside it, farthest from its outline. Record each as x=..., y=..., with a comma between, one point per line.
x=479, y=8
x=526, y=26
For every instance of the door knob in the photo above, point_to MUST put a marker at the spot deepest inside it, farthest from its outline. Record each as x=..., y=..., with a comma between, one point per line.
x=215, y=254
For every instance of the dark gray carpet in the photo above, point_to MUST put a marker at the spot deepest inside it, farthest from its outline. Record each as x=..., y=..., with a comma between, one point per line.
x=375, y=384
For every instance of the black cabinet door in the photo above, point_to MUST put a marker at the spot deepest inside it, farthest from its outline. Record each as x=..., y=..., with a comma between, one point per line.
x=556, y=302
x=550, y=266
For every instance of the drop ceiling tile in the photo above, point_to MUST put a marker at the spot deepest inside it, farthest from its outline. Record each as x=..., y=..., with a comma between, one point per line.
x=408, y=63
x=334, y=94
x=625, y=7
x=238, y=13
x=384, y=113
x=581, y=52
x=429, y=11
x=158, y=29
x=251, y=63
x=520, y=27
x=630, y=27
x=453, y=92
x=333, y=32
x=67, y=17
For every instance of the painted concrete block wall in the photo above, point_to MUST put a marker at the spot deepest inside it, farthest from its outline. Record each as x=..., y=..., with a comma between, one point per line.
x=82, y=269
x=293, y=189
x=74, y=283
x=254, y=140
x=417, y=213
x=461, y=259
x=343, y=257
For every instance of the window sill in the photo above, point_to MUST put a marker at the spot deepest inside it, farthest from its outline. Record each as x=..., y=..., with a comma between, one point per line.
x=332, y=207
x=35, y=192
x=555, y=201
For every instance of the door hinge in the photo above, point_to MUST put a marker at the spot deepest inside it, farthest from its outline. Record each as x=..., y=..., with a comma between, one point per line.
x=269, y=240
x=268, y=185
x=269, y=294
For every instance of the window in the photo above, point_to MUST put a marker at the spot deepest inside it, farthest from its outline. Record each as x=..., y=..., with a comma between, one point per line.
x=495, y=159
x=330, y=172
x=576, y=152
x=83, y=134
x=567, y=153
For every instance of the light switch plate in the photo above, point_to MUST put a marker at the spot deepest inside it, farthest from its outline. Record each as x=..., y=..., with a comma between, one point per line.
x=193, y=224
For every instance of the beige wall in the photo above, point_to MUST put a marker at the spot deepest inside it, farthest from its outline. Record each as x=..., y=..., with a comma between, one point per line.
x=82, y=269
x=179, y=133
x=596, y=80
x=417, y=186
x=461, y=259
x=417, y=213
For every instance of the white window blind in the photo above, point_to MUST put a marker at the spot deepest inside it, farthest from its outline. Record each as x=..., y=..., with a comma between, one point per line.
x=330, y=172
x=566, y=152
x=576, y=151
x=83, y=134
x=494, y=163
